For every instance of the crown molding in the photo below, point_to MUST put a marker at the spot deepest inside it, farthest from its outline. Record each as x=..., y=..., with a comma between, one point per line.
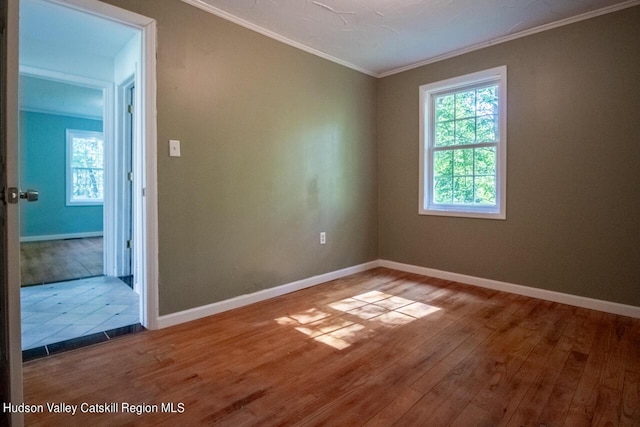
x=200, y=4
x=524, y=33
x=60, y=77
x=57, y=112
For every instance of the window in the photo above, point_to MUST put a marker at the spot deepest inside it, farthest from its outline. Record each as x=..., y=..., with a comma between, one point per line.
x=463, y=146
x=85, y=167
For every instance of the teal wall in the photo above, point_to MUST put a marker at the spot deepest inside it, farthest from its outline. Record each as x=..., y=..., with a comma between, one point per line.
x=42, y=167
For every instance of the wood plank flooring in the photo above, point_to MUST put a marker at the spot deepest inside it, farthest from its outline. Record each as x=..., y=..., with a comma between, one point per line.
x=59, y=260
x=380, y=348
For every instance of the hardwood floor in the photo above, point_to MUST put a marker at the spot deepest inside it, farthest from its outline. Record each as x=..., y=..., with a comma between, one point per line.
x=378, y=348
x=58, y=260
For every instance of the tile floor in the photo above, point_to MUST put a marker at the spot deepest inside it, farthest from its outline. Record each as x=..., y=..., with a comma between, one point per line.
x=61, y=311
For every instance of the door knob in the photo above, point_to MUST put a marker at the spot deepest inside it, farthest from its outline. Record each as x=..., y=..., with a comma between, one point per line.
x=30, y=195
x=12, y=195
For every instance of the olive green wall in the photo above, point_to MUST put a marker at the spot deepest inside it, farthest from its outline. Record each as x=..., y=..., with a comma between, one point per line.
x=277, y=146
x=573, y=186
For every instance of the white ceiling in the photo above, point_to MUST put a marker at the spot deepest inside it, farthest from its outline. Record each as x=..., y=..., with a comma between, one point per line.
x=380, y=37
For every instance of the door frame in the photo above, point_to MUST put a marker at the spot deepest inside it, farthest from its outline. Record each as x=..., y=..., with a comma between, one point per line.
x=145, y=189
x=124, y=197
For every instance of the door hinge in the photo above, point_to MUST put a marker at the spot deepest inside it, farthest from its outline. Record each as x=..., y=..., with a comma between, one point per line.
x=130, y=108
x=129, y=244
x=130, y=176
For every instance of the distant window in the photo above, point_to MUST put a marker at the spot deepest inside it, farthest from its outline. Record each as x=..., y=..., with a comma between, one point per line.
x=85, y=167
x=463, y=145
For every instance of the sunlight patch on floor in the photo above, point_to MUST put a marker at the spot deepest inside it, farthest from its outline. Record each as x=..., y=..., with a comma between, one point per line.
x=349, y=320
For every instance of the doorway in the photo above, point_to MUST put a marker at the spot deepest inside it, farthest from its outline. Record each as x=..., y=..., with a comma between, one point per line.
x=81, y=148
x=145, y=189
x=67, y=295
x=62, y=156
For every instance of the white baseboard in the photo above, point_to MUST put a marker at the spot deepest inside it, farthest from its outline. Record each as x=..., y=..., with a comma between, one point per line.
x=242, y=300
x=575, y=300
x=61, y=236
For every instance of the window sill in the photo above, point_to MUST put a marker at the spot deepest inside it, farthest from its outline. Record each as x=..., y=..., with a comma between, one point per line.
x=84, y=203
x=464, y=213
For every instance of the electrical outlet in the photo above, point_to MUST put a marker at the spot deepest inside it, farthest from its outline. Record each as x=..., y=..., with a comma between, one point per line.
x=323, y=238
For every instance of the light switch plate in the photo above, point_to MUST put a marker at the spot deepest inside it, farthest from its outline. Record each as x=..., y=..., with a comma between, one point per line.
x=174, y=148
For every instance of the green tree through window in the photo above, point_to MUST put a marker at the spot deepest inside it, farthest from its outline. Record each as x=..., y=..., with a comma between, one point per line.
x=464, y=145
x=85, y=167
x=461, y=174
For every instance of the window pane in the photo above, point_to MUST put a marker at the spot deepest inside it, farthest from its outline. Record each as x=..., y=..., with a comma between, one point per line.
x=487, y=128
x=87, y=152
x=444, y=133
x=465, y=131
x=443, y=189
x=443, y=163
x=444, y=108
x=487, y=101
x=485, y=190
x=462, y=169
x=88, y=183
x=463, y=190
x=463, y=162
x=86, y=156
x=485, y=161
x=465, y=104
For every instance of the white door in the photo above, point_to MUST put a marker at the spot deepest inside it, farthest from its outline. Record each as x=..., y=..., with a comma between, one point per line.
x=4, y=315
x=10, y=348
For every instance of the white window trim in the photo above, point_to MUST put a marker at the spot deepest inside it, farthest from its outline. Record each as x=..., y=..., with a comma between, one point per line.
x=70, y=134
x=498, y=74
